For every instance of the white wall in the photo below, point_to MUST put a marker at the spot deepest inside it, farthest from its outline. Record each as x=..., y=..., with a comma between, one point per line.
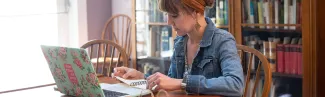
x=122, y=7
x=98, y=11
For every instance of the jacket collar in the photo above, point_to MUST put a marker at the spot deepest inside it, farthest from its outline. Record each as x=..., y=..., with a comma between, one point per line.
x=208, y=33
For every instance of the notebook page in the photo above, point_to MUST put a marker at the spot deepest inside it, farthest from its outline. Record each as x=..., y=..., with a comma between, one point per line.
x=123, y=88
x=142, y=83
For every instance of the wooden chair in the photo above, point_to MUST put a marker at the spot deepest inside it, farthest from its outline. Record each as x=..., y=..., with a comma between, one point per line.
x=118, y=29
x=263, y=63
x=99, y=48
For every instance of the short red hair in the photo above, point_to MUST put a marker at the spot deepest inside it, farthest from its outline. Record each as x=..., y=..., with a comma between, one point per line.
x=170, y=6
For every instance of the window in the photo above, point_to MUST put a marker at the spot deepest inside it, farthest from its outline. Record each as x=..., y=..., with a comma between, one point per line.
x=24, y=26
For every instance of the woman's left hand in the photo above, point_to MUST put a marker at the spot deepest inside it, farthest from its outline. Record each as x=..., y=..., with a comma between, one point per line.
x=163, y=82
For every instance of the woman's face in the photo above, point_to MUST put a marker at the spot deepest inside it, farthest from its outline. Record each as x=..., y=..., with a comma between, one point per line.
x=181, y=22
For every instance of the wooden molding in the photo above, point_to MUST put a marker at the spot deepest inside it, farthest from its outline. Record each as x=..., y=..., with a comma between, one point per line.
x=133, y=38
x=237, y=20
x=309, y=48
x=319, y=13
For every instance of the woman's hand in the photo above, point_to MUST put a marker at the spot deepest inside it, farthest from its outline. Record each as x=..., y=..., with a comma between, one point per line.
x=163, y=82
x=128, y=73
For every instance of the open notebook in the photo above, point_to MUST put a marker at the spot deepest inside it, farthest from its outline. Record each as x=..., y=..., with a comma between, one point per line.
x=142, y=84
x=131, y=87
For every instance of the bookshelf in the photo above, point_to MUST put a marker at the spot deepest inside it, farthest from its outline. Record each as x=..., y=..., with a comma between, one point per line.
x=280, y=75
x=154, y=37
x=149, y=25
x=240, y=26
x=280, y=22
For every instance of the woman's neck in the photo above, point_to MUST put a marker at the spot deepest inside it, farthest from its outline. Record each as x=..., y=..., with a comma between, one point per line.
x=196, y=35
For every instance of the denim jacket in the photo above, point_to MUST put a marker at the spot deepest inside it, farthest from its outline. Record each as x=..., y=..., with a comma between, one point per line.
x=216, y=68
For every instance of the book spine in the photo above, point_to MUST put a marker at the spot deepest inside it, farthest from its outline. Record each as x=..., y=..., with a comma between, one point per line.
x=294, y=52
x=225, y=12
x=276, y=13
x=272, y=55
x=298, y=12
x=293, y=12
x=217, y=12
x=260, y=13
x=281, y=11
x=286, y=11
x=271, y=11
x=266, y=51
x=266, y=13
x=251, y=12
x=255, y=6
x=280, y=58
x=287, y=59
x=220, y=21
x=299, y=59
x=244, y=11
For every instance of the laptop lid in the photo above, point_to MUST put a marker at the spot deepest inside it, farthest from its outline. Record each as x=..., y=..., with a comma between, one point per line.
x=72, y=71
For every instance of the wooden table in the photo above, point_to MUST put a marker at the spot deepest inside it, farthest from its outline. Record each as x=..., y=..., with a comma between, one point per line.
x=50, y=92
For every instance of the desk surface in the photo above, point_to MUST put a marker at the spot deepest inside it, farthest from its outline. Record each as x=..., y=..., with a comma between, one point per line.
x=49, y=91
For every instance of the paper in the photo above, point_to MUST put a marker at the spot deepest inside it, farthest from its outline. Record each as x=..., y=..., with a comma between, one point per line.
x=123, y=88
x=142, y=83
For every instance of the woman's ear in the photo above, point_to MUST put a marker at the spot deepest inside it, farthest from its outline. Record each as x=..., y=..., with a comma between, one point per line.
x=198, y=15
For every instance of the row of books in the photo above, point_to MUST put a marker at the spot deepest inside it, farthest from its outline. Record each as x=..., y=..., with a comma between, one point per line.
x=284, y=56
x=272, y=12
x=161, y=41
x=155, y=15
x=221, y=9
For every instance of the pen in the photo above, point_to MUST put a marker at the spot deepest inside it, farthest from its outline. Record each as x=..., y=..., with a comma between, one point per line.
x=154, y=87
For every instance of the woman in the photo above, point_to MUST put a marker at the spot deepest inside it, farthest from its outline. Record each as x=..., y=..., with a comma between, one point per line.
x=205, y=59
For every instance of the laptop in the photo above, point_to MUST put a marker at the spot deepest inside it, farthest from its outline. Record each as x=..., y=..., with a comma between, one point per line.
x=74, y=75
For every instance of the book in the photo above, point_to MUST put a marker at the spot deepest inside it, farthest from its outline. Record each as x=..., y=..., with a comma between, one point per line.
x=244, y=11
x=272, y=55
x=299, y=57
x=286, y=13
x=266, y=51
x=251, y=12
x=255, y=8
x=294, y=53
x=220, y=12
x=276, y=13
x=164, y=39
x=280, y=57
x=266, y=13
x=225, y=11
x=287, y=59
x=293, y=14
x=260, y=13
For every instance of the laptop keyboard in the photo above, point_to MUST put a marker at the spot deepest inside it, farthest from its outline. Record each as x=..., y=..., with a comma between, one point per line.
x=109, y=93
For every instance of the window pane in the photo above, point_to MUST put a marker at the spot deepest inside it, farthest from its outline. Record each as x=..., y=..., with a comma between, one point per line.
x=24, y=26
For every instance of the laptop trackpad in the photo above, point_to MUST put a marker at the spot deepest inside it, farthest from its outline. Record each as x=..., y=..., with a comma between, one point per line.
x=123, y=88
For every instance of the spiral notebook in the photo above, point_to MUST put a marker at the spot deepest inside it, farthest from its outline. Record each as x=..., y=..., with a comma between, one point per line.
x=142, y=83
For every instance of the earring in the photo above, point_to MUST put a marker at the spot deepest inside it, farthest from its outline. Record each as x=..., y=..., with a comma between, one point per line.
x=197, y=25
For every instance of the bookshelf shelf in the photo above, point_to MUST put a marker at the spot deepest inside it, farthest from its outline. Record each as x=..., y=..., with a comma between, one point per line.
x=277, y=74
x=272, y=25
x=245, y=29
